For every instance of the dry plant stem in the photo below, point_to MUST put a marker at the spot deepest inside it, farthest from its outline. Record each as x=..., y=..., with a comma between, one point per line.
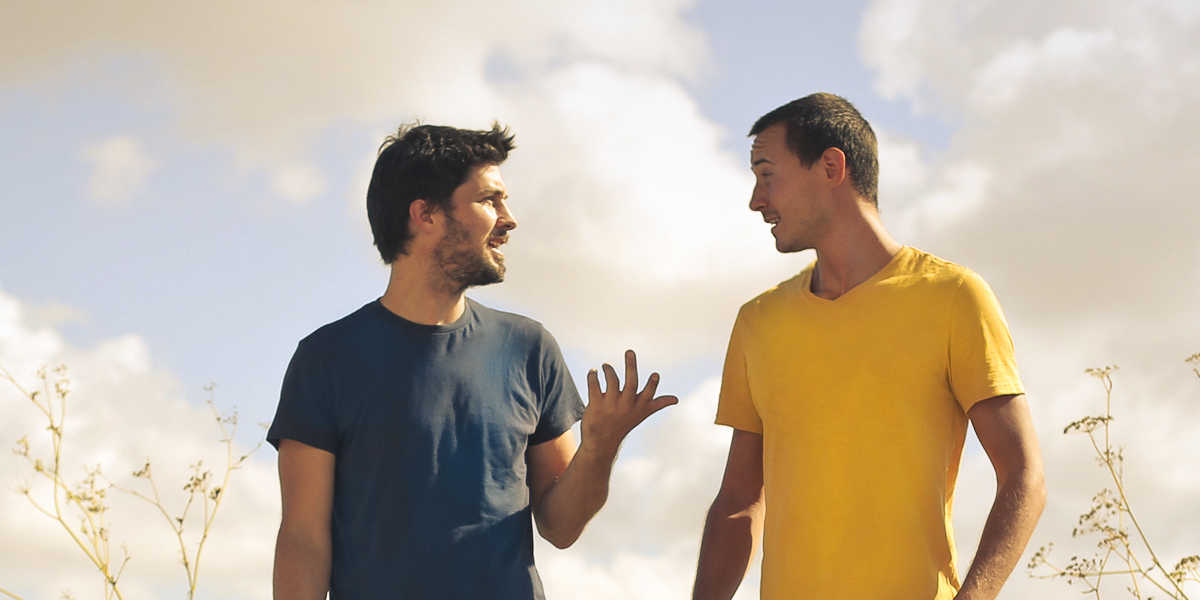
x=1117, y=541
x=88, y=499
x=96, y=546
x=10, y=594
x=176, y=524
x=230, y=466
x=197, y=485
x=1118, y=479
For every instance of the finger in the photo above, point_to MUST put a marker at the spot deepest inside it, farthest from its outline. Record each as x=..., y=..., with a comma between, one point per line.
x=631, y=374
x=593, y=383
x=651, y=385
x=612, y=384
x=662, y=402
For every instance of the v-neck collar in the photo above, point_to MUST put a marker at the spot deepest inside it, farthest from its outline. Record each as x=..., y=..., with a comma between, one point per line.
x=851, y=294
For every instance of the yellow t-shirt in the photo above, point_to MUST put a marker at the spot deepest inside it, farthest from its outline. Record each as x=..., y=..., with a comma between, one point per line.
x=862, y=404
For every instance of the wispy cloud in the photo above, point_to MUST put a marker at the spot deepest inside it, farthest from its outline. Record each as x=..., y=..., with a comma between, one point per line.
x=120, y=167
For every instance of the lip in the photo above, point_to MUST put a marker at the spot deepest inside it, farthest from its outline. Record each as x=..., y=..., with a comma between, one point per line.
x=495, y=242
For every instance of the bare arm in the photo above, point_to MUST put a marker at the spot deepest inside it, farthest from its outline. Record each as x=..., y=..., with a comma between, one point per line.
x=735, y=521
x=1005, y=431
x=303, y=551
x=568, y=487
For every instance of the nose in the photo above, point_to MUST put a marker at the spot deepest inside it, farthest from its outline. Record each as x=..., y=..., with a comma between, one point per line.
x=504, y=217
x=758, y=199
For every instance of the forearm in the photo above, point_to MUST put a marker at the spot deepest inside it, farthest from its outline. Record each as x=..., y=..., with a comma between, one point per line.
x=726, y=550
x=302, y=567
x=1015, y=512
x=563, y=507
x=569, y=503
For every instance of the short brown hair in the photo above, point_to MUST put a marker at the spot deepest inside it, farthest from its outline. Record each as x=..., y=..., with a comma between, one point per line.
x=821, y=121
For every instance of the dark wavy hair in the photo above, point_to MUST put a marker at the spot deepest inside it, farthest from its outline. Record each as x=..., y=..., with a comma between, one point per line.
x=821, y=121
x=424, y=162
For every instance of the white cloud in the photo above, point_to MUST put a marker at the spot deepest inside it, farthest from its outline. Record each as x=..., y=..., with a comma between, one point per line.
x=1064, y=54
x=960, y=192
x=120, y=167
x=121, y=411
x=267, y=79
x=628, y=206
x=618, y=178
x=903, y=170
x=298, y=182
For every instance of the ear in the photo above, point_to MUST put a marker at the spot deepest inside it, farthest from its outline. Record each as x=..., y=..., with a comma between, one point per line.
x=833, y=164
x=421, y=216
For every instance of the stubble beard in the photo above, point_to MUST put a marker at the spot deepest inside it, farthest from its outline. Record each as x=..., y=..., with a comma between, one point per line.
x=463, y=264
x=812, y=228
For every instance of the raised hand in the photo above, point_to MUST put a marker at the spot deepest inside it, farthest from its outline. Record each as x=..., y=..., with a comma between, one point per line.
x=611, y=414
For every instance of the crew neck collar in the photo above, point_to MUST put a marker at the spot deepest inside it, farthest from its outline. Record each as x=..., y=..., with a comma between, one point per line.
x=459, y=323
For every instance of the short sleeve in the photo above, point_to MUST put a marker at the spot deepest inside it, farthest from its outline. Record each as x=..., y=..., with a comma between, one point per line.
x=982, y=359
x=305, y=404
x=735, y=407
x=561, y=405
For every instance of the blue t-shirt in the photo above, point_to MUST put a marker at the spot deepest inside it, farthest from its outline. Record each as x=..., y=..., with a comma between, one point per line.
x=429, y=425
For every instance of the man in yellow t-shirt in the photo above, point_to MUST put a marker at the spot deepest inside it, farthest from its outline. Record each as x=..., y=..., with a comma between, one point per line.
x=849, y=388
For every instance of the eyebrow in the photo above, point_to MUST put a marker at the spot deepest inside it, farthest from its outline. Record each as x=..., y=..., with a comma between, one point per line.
x=759, y=162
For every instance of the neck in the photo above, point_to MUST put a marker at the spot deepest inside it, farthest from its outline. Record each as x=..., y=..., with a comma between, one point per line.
x=415, y=295
x=853, y=253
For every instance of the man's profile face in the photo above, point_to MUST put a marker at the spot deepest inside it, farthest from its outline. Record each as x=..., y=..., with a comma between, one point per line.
x=786, y=193
x=476, y=225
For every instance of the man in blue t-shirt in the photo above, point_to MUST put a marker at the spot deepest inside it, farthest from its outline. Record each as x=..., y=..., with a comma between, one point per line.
x=422, y=436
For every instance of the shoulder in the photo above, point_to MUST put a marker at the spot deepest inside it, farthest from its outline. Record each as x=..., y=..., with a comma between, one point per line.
x=966, y=292
x=927, y=270
x=918, y=263
x=513, y=326
x=782, y=295
x=508, y=321
x=337, y=335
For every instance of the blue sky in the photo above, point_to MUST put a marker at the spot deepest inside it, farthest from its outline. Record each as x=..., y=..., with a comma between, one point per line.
x=181, y=200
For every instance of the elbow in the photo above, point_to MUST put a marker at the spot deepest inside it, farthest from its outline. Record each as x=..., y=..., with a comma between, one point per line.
x=562, y=543
x=1040, y=492
x=748, y=503
x=561, y=522
x=554, y=528
x=559, y=538
x=1035, y=484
